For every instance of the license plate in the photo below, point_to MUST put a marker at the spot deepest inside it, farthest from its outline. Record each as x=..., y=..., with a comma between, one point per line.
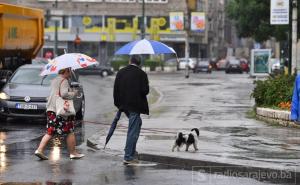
x=234, y=66
x=26, y=106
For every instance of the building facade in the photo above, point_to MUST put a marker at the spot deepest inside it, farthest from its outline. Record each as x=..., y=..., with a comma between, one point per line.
x=99, y=27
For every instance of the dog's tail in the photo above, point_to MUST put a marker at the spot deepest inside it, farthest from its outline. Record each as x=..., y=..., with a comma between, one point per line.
x=196, y=130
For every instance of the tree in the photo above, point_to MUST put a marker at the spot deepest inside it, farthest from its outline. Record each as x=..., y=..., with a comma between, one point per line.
x=252, y=19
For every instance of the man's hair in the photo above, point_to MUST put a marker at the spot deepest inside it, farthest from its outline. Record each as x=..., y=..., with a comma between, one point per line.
x=135, y=59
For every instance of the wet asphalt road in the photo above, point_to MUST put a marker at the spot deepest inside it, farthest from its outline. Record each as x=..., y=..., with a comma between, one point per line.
x=19, y=139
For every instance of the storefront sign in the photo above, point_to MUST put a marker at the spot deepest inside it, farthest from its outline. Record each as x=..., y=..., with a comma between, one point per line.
x=86, y=20
x=198, y=21
x=176, y=21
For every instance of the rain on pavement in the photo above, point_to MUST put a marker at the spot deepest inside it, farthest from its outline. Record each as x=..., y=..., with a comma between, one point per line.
x=223, y=101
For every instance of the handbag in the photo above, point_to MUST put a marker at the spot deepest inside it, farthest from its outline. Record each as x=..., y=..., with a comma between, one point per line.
x=64, y=107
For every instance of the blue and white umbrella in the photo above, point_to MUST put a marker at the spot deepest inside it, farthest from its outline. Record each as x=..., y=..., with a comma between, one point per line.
x=145, y=46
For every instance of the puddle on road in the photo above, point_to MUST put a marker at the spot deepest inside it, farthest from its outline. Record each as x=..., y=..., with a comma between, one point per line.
x=192, y=114
x=196, y=84
x=65, y=182
x=159, y=137
x=225, y=130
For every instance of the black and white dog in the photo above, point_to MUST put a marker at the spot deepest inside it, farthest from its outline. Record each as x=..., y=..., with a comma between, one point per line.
x=187, y=139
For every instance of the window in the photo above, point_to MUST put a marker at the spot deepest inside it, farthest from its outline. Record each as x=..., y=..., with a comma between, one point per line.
x=120, y=1
x=87, y=21
x=154, y=1
x=31, y=76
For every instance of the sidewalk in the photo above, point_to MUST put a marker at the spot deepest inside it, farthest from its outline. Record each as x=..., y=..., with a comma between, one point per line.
x=216, y=105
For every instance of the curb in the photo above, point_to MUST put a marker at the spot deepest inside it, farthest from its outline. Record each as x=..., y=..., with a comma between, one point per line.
x=258, y=173
x=277, y=117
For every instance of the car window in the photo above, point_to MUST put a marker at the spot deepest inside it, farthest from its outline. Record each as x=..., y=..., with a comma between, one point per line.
x=31, y=77
x=203, y=62
x=234, y=62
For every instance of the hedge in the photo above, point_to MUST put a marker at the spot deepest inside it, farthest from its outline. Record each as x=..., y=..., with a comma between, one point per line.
x=274, y=91
x=152, y=64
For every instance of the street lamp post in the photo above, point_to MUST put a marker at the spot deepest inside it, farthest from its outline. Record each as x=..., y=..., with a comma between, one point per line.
x=187, y=43
x=295, y=63
x=55, y=33
x=143, y=21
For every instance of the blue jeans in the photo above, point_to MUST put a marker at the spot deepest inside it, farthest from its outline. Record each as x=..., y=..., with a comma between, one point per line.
x=134, y=128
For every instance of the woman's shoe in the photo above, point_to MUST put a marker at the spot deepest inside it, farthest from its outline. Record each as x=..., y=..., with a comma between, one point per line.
x=77, y=156
x=40, y=155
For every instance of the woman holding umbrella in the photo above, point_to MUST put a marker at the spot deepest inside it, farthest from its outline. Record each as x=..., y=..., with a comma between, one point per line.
x=59, y=125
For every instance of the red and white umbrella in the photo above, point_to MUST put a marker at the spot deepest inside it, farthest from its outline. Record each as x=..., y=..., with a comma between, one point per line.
x=68, y=60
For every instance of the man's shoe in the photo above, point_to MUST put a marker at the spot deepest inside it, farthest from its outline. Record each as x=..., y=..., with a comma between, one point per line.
x=77, y=156
x=131, y=162
x=136, y=155
x=40, y=155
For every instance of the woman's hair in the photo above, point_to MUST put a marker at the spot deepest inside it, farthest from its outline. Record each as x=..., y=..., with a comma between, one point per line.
x=62, y=71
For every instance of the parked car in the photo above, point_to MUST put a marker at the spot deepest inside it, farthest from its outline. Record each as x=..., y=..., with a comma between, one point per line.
x=213, y=63
x=171, y=62
x=39, y=61
x=221, y=64
x=245, y=65
x=233, y=66
x=96, y=70
x=182, y=62
x=274, y=64
x=26, y=92
x=170, y=65
x=203, y=65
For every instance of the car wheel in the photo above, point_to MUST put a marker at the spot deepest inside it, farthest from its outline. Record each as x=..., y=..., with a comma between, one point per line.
x=104, y=73
x=80, y=113
x=3, y=118
x=226, y=72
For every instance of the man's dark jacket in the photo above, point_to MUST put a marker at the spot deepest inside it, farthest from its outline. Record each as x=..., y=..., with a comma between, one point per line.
x=131, y=89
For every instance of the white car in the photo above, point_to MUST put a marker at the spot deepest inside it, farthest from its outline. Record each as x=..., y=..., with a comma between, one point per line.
x=191, y=62
x=275, y=64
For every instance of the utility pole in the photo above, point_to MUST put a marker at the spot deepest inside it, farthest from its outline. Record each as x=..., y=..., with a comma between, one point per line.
x=55, y=33
x=143, y=27
x=295, y=63
x=187, y=43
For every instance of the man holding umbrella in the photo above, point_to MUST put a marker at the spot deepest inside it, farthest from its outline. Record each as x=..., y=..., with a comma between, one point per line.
x=130, y=95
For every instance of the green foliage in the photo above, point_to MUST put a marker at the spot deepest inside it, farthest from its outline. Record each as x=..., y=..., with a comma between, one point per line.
x=274, y=90
x=116, y=64
x=252, y=19
x=152, y=64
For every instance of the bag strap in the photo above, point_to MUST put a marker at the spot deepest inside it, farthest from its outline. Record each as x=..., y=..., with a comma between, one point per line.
x=59, y=87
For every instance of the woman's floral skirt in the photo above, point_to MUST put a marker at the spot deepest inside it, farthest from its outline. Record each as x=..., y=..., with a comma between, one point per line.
x=58, y=125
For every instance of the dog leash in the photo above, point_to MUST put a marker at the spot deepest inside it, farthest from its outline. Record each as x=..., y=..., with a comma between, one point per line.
x=122, y=126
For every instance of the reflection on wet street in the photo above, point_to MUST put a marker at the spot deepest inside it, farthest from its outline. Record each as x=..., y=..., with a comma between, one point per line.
x=221, y=119
x=2, y=152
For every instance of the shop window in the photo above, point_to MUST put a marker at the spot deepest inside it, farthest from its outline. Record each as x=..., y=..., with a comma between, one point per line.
x=154, y=1
x=120, y=1
x=122, y=22
x=88, y=48
x=87, y=21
